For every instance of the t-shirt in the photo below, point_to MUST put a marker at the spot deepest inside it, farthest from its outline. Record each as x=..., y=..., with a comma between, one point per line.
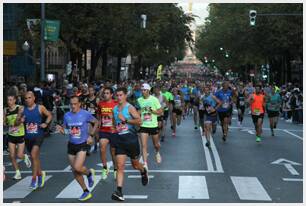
x=225, y=97
x=106, y=113
x=77, y=125
x=186, y=91
x=149, y=120
x=274, y=102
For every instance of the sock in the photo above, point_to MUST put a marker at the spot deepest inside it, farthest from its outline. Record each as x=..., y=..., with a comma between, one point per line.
x=86, y=190
x=34, y=178
x=39, y=173
x=17, y=171
x=89, y=175
x=119, y=189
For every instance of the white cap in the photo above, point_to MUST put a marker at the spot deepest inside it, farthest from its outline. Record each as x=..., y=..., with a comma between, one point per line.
x=145, y=86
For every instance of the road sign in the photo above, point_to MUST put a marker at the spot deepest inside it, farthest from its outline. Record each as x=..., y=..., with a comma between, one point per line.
x=52, y=29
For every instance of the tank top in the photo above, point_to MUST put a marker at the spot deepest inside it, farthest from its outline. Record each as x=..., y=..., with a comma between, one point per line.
x=209, y=104
x=11, y=117
x=121, y=127
x=91, y=105
x=161, y=101
x=257, y=105
x=177, y=102
x=106, y=113
x=240, y=99
x=33, y=119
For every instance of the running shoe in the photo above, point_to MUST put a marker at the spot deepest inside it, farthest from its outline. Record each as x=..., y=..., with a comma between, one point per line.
x=158, y=158
x=118, y=196
x=224, y=138
x=91, y=178
x=105, y=173
x=145, y=177
x=33, y=184
x=27, y=161
x=195, y=127
x=173, y=134
x=41, y=179
x=207, y=144
x=258, y=139
x=85, y=196
x=17, y=175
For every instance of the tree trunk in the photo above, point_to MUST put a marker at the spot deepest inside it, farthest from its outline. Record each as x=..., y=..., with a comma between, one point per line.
x=104, y=62
x=118, y=69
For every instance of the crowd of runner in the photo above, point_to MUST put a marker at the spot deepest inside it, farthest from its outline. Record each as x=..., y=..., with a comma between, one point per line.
x=124, y=116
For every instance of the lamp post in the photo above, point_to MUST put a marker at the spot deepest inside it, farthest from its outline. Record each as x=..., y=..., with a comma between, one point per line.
x=42, y=43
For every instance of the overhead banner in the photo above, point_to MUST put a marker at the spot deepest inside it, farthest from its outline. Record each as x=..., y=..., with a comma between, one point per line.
x=52, y=29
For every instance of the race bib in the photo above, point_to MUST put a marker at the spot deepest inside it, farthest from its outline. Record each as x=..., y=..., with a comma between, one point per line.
x=225, y=105
x=257, y=112
x=75, y=132
x=241, y=103
x=91, y=110
x=107, y=121
x=32, y=128
x=210, y=109
x=13, y=130
x=122, y=128
x=177, y=103
x=147, y=117
x=201, y=106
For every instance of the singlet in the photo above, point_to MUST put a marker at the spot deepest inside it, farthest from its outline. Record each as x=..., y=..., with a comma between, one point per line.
x=169, y=98
x=106, y=113
x=225, y=97
x=123, y=128
x=11, y=117
x=77, y=125
x=185, y=91
x=240, y=99
x=161, y=101
x=257, y=104
x=90, y=105
x=274, y=102
x=149, y=120
x=33, y=120
x=209, y=104
x=177, y=102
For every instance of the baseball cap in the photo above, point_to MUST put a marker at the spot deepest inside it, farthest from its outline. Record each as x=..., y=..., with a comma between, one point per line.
x=146, y=86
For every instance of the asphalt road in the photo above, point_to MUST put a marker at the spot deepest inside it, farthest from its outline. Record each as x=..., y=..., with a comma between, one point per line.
x=239, y=170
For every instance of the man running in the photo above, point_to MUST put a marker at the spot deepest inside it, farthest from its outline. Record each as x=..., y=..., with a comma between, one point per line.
x=125, y=118
x=194, y=101
x=15, y=134
x=240, y=104
x=273, y=107
x=108, y=134
x=257, y=102
x=150, y=108
x=32, y=115
x=76, y=124
x=167, y=110
x=178, y=107
x=163, y=102
x=225, y=96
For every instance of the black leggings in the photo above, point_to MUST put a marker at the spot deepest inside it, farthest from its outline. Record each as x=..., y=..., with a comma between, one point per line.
x=240, y=116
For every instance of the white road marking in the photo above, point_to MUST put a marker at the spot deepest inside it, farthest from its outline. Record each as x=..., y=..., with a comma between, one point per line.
x=291, y=169
x=68, y=169
x=292, y=180
x=192, y=187
x=293, y=134
x=21, y=188
x=265, y=128
x=216, y=156
x=210, y=166
x=74, y=190
x=249, y=188
x=139, y=176
x=7, y=164
x=281, y=161
x=251, y=132
x=135, y=196
x=109, y=164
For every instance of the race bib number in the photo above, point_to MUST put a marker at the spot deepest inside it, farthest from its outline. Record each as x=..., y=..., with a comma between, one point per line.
x=147, y=117
x=241, y=103
x=13, y=130
x=177, y=103
x=75, y=132
x=257, y=112
x=210, y=109
x=32, y=128
x=201, y=106
x=107, y=121
x=122, y=128
x=225, y=105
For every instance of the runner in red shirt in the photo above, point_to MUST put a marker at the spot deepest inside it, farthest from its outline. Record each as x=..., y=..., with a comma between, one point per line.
x=108, y=134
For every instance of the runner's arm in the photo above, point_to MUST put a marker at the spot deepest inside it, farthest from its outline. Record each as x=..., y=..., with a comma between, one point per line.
x=136, y=117
x=20, y=118
x=93, y=129
x=46, y=113
x=219, y=103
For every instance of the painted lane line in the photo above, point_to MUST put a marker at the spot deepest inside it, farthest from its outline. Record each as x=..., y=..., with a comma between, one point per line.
x=293, y=134
x=216, y=156
x=74, y=190
x=251, y=132
x=68, y=168
x=7, y=164
x=292, y=180
x=210, y=166
x=192, y=187
x=265, y=128
x=291, y=169
x=139, y=176
x=126, y=171
x=249, y=188
x=135, y=196
x=20, y=189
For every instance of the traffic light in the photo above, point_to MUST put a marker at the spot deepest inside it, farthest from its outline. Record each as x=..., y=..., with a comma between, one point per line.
x=252, y=15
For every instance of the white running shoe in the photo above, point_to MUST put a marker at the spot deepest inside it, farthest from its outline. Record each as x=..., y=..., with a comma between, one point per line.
x=17, y=175
x=158, y=158
x=27, y=161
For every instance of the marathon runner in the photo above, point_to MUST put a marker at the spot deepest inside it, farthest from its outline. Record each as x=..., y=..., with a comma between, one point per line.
x=164, y=104
x=167, y=110
x=15, y=134
x=225, y=96
x=108, y=134
x=257, y=103
x=150, y=108
x=178, y=107
x=241, y=102
x=76, y=124
x=32, y=115
x=194, y=101
x=186, y=92
x=125, y=118
x=273, y=107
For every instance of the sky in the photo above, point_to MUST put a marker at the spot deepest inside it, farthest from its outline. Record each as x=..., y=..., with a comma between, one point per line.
x=199, y=9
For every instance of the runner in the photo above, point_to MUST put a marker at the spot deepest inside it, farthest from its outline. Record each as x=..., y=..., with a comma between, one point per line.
x=257, y=102
x=211, y=104
x=273, y=107
x=150, y=108
x=194, y=101
x=186, y=92
x=167, y=110
x=125, y=118
x=15, y=135
x=225, y=96
x=177, y=111
x=31, y=115
x=240, y=104
x=76, y=124
x=163, y=102
x=107, y=130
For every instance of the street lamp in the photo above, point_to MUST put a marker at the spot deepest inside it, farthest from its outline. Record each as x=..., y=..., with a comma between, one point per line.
x=221, y=48
x=144, y=20
x=26, y=46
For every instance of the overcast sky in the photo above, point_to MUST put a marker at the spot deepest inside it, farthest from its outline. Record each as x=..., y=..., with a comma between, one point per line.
x=199, y=9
